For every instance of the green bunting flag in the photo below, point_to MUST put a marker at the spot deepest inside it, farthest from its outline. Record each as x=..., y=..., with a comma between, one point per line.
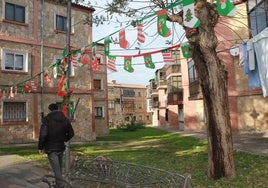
x=128, y=64
x=186, y=50
x=189, y=19
x=162, y=28
x=148, y=61
x=225, y=7
x=107, y=42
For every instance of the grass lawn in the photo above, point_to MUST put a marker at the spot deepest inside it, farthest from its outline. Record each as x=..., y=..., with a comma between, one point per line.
x=174, y=152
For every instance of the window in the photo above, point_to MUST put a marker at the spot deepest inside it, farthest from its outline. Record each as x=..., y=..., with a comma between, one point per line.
x=15, y=61
x=14, y=12
x=61, y=23
x=257, y=16
x=194, y=86
x=128, y=93
x=111, y=104
x=99, y=111
x=192, y=72
x=60, y=69
x=97, y=84
x=174, y=84
x=14, y=112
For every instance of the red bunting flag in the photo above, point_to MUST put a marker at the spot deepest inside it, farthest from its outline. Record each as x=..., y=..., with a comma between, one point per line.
x=33, y=85
x=167, y=57
x=47, y=78
x=62, y=87
x=111, y=63
x=141, y=37
x=95, y=65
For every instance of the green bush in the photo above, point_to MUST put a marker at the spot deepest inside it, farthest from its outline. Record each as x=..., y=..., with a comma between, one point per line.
x=132, y=126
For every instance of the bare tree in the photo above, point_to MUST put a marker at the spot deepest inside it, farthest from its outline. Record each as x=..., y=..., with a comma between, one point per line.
x=213, y=78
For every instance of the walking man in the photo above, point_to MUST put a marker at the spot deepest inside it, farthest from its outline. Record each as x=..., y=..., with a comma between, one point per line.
x=55, y=130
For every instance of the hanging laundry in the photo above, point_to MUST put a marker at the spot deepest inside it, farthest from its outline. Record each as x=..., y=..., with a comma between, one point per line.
x=260, y=43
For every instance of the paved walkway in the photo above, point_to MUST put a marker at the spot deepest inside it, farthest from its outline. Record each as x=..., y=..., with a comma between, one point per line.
x=250, y=142
x=17, y=172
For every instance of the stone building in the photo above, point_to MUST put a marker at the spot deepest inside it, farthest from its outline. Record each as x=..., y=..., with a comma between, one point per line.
x=31, y=45
x=182, y=106
x=127, y=102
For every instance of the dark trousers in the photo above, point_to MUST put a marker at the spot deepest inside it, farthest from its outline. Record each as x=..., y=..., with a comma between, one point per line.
x=55, y=160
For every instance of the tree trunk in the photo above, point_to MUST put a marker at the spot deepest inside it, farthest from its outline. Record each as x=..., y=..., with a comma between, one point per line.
x=213, y=78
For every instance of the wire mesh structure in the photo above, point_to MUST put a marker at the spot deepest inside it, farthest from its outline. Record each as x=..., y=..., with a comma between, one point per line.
x=107, y=172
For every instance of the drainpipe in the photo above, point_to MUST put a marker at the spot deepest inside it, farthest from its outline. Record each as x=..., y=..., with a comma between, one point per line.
x=68, y=39
x=42, y=58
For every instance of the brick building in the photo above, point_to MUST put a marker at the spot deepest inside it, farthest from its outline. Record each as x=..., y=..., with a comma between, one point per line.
x=127, y=102
x=176, y=97
x=30, y=46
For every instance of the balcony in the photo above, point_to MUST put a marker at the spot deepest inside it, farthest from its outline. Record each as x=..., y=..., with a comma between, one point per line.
x=175, y=97
x=155, y=104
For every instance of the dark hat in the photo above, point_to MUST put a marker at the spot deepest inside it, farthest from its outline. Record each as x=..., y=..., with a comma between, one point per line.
x=53, y=107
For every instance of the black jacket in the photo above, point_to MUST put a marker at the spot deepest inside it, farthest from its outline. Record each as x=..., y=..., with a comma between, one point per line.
x=55, y=130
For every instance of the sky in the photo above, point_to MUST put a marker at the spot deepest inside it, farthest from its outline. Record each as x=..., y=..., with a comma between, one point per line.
x=153, y=42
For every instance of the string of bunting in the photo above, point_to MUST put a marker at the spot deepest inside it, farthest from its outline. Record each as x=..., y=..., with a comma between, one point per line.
x=80, y=57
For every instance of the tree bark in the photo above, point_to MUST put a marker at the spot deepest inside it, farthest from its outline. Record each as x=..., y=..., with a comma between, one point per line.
x=213, y=79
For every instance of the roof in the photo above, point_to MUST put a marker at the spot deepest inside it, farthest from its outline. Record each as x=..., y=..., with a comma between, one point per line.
x=111, y=84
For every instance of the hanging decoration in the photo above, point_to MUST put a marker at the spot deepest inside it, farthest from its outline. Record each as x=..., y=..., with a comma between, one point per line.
x=186, y=50
x=46, y=77
x=67, y=107
x=62, y=87
x=75, y=59
x=123, y=43
x=162, y=28
x=128, y=64
x=141, y=36
x=33, y=85
x=27, y=87
x=94, y=50
x=189, y=19
x=225, y=7
x=107, y=42
x=82, y=57
x=111, y=63
x=95, y=65
x=167, y=57
x=149, y=62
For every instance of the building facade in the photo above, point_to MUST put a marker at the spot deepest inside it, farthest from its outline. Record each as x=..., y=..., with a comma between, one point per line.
x=32, y=43
x=127, y=103
x=247, y=100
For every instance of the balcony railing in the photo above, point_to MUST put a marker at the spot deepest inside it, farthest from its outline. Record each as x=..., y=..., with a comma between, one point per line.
x=155, y=104
x=174, y=97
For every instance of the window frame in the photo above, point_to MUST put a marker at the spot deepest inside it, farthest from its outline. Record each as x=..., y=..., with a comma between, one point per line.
x=14, y=52
x=62, y=16
x=15, y=19
x=99, y=111
x=193, y=76
x=23, y=111
x=101, y=84
x=257, y=16
x=111, y=104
